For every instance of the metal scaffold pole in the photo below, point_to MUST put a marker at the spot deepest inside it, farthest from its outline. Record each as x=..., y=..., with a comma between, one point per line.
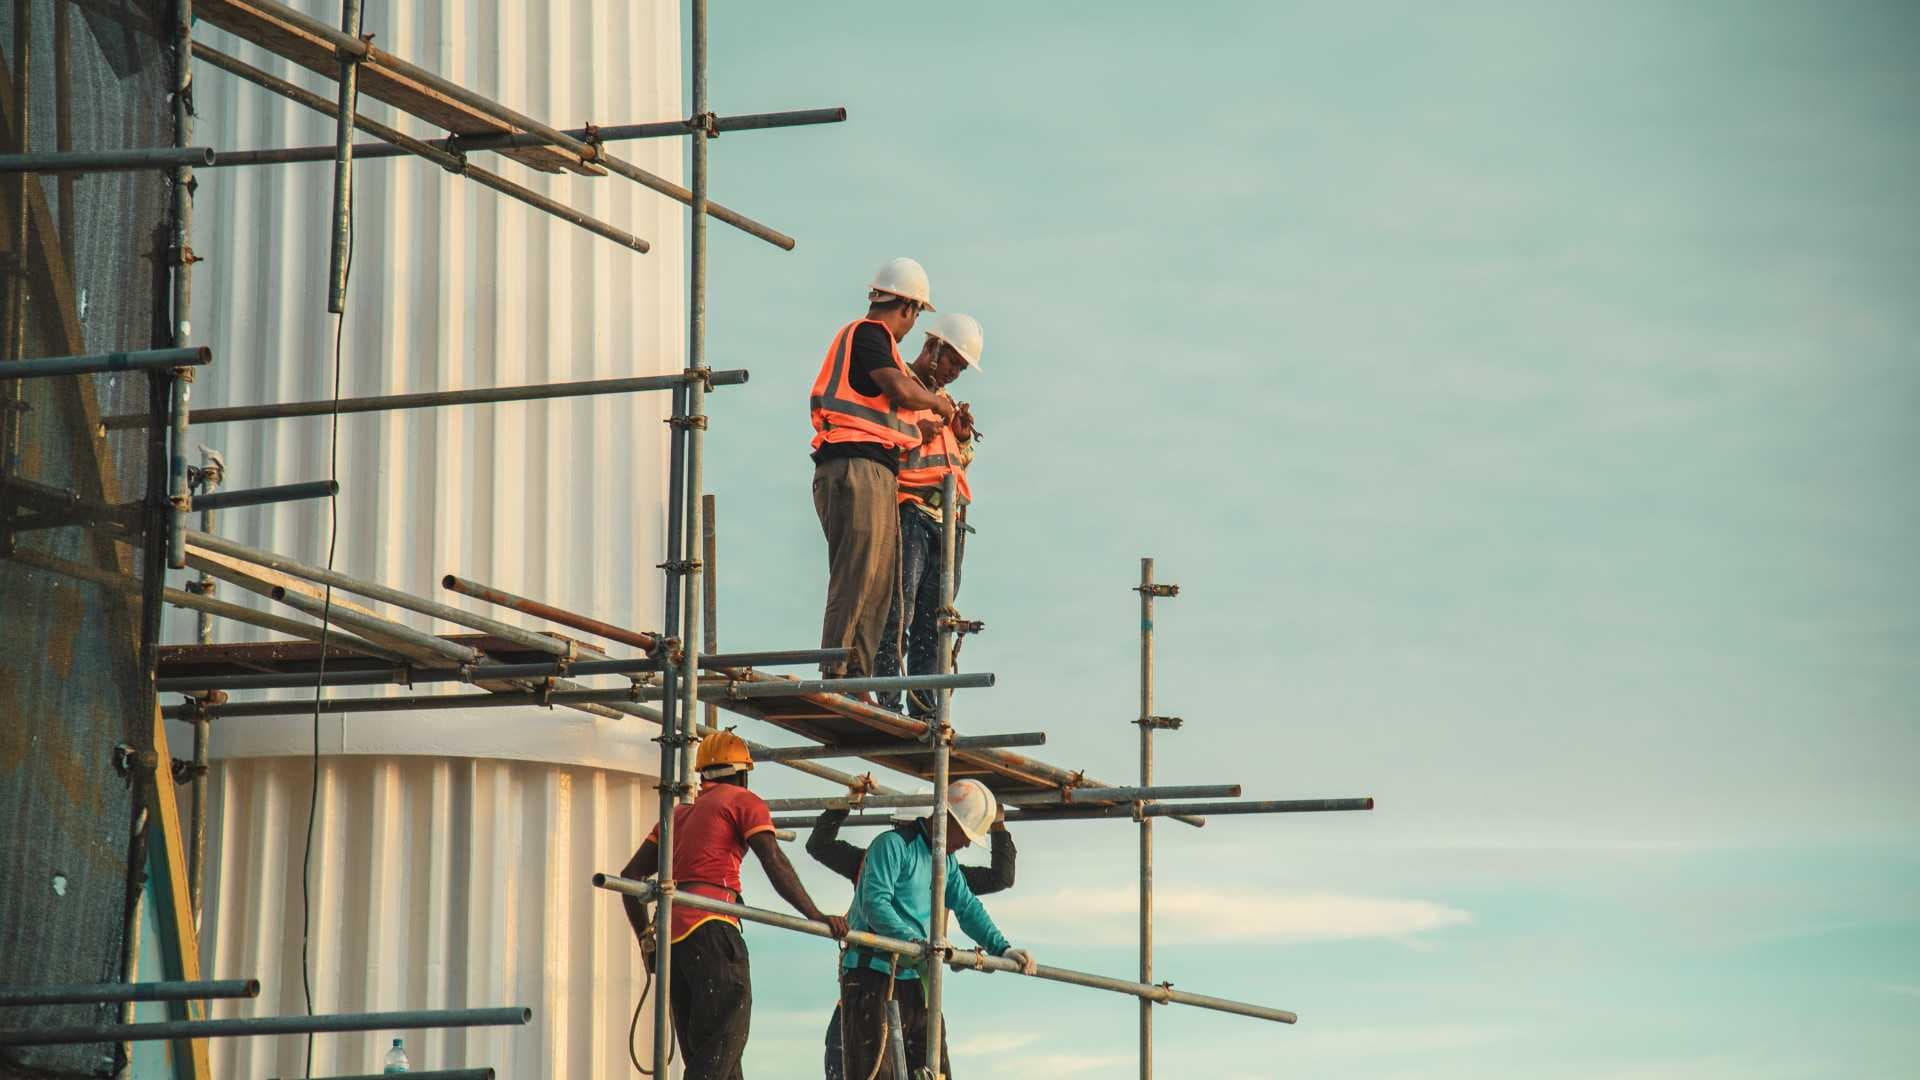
x=181, y=257
x=696, y=419
x=1147, y=721
x=941, y=734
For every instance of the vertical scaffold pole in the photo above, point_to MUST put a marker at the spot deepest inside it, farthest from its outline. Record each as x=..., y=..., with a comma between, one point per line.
x=343, y=164
x=212, y=472
x=181, y=258
x=1148, y=589
x=672, y=739
x=1146, y=823
x=696, y=388
x=942, y=733
x=710, y=592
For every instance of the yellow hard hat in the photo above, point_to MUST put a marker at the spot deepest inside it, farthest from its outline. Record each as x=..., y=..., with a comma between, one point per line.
x=722, y=754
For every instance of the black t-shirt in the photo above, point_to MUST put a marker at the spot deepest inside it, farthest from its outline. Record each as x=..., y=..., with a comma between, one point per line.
x=872, y=351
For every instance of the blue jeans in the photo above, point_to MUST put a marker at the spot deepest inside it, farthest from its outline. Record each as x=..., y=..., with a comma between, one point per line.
x=920, y=538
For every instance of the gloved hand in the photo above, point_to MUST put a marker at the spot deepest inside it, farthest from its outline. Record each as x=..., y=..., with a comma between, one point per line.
x=648, y=946
x=1028, y=965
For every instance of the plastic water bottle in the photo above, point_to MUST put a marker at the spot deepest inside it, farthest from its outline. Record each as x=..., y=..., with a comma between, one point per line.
x=397, y=1059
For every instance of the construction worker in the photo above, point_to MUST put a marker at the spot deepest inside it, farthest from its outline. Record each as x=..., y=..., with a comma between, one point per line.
x=711, y=984
x=953, y=344
x=845, y=859
x=867, y=409
x=894, y=898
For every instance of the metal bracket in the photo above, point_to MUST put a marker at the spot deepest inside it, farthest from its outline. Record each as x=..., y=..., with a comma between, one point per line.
x=126, y=760
x=1158, y=590
x=678, y=566
x=1160, y=723
x=705, y=122
x=687, y=422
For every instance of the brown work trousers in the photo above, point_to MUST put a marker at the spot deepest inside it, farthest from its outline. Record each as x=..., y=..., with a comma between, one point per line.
x=855, y=499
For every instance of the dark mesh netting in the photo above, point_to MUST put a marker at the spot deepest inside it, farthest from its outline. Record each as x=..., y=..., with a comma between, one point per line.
x=85, y=264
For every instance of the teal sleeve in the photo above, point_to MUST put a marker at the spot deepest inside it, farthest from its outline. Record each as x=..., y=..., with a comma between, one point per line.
x=879, y=878
x=971, y=912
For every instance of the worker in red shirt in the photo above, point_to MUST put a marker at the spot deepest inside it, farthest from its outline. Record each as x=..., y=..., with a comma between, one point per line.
x=712, y=986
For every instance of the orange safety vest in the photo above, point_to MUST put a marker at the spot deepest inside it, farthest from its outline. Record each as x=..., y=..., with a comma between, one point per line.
x=842, y=414
x=922, y=468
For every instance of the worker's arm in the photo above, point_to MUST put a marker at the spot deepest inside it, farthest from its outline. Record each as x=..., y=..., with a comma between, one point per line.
x=879, y=879
x=787, y=883
x=643, y=865
x=827, y=849
x=905, y=391
x=998, y=877
x=973, y=916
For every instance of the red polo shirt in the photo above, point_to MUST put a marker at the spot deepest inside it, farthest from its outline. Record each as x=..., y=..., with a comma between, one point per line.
x=709, y=840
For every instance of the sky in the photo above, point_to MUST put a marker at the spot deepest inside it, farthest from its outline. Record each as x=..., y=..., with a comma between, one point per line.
x=1526, y=400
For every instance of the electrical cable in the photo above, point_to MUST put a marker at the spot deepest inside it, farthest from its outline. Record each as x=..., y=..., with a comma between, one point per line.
x=320, y=676
x=633, y=1030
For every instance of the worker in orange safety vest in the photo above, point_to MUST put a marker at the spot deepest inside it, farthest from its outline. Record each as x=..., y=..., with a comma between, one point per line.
x=910, y=640
x=867, y=409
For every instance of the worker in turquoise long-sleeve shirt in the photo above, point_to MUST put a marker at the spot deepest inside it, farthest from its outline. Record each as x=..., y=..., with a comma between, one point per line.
x=894, y=898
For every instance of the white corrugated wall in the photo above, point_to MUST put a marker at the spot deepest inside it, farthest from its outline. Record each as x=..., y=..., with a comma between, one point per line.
x=438, y=883
x=452, y=854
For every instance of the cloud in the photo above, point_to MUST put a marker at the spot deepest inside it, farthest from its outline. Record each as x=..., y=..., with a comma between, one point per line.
x=1048, y=1065
x=1217, y=916
x=983, y=1045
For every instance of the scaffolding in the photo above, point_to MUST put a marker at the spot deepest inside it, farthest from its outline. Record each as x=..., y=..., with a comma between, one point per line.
x=679, y=678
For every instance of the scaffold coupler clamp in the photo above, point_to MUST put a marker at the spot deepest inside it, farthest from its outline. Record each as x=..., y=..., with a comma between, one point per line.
x=1158, y=589
x=679, y=420
x=1160, y=723
x=707, y=123
x=590, y=135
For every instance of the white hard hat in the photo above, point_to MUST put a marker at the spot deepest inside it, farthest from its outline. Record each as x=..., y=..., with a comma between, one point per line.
x=963, y=333
x=972, y=805
x=904, y=278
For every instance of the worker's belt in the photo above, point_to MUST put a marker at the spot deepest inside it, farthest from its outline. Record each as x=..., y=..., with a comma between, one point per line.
x=731, y=897
x=928, y=495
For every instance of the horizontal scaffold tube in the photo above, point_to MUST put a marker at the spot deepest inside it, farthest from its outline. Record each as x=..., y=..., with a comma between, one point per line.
x=876, y=684
x=92, y=161
x=90, y=993
x=1078, y=813
x=407, y=676
x=430, y=1074
x=434, y=399
x=1055, y=798
x=260, y=496
x=376, y=591
x=960, y=959
x=144, y=360
x=378, y=627
x=414, y=1020
x=573, y=695
x=893, y=749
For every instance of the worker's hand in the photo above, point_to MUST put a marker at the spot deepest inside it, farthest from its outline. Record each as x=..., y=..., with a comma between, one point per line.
x=836, y=923
x=648, y=946
x=999, y=808
x=963, y=422
x=943, y=405
x=1028, y=965
x=929, y=430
